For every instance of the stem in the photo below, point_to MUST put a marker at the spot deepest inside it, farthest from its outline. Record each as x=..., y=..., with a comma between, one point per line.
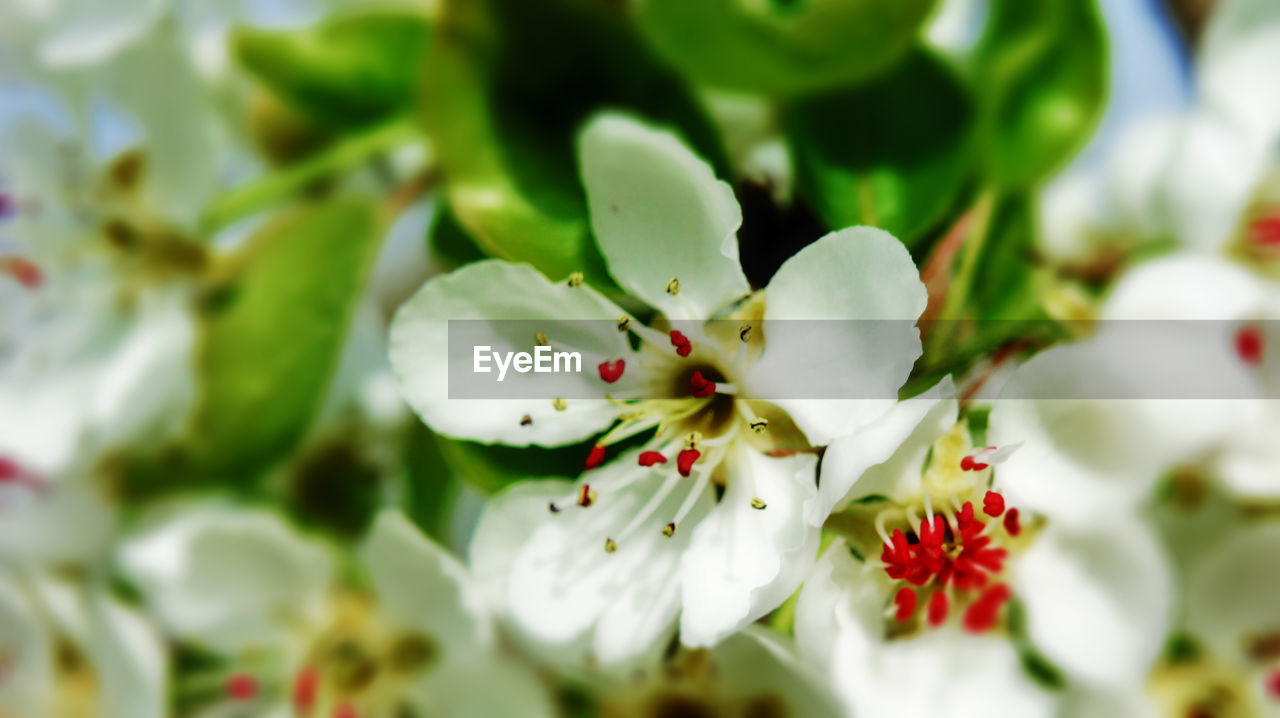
x=282, y=184
x=962, y=281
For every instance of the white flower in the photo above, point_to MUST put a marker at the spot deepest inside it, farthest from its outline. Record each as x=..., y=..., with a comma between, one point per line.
x=703, y=521
x=754, y=672
x=1101, y=449
x=263, y=597
x=953, y=551
x=71, y=650
x=1189, y=175
x=1231, y=611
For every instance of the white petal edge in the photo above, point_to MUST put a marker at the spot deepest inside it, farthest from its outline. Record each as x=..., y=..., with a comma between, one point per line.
x=658, y=213
x=862, y=286
x=494, y=291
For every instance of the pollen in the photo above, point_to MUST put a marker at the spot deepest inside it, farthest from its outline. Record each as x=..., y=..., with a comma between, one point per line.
x=686, y=459
x=575, y=279
x=700, y=387
x=905, y=600
x=595, y=457
x=758, y=503
x=526, y=420
x=559, y=404
x=1250, y=345
x=610, y=546
x=669, y=530
x=993, y=504
x=673, y=286
x=241, y=687
x=586, y=496
x=612, y=371
x=744, y=333
x=759, y=425
x=23, y=271
x=649, y=458
x=624, y=323
x=681, y=343
x=305, y=687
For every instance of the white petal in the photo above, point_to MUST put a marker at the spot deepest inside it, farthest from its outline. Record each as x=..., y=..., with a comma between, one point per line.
x=495, y=291
x=1240, y=46
x=420, y=586
x=658, y=213
x=229, y=577
x=1080, y=454
x=759, y=664
x=28, y=686
x=840, y=628
x=1210, y=179
x=482, y=688
x=565, y=593
x=508, y=520
x=878, y=459
x=69, y=521
x=856, y=274
x=129, y=660
x=1158, y=290
x=1249, y=464
x=744, y=561
x=87, y=34
x=1098, y=602
x=1231, y=591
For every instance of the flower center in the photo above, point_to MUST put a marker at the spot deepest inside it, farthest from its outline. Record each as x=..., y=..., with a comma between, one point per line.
x=694, y=419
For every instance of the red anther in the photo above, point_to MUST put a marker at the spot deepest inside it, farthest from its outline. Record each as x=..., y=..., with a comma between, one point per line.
x=585, y=498
x=938, y=607
x=1266, y=231
x=346, y=710
x=968, y=526
x=23, y=270
x=982, y=614
x=305, y=687
x=685, y=459
x=649, y=458
x=681, y=343
x=993, y=504
x=612, y=371
x=700, y=386
x=906, y=603
x=9, y=469
x=969, y=463
x=1249, y=345
x=241, y=687
x=596, y=457
x=1011, y=524
x=1273, y=684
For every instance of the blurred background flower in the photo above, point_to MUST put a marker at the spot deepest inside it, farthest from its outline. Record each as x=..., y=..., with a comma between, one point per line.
x=233, y=481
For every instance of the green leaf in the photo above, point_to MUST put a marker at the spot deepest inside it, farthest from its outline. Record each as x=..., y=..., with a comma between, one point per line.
x=782, y=46
x=508, y=85
x=894, y=153
x=1041, y=69
x=271, y=339
x=351, y=69
x=489, y=469
x=449, y=241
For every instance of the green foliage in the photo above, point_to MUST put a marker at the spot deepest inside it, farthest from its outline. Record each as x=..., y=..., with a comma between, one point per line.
x=349, y=70
x=508, y=84
x=271, y=341
x=1041, y=69
x=489, y=469
x=449, y=241
x=894, y=153
x=782, y=46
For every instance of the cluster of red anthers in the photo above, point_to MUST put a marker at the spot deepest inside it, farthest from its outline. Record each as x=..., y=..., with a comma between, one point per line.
x=942, y=557
x=243, y=687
